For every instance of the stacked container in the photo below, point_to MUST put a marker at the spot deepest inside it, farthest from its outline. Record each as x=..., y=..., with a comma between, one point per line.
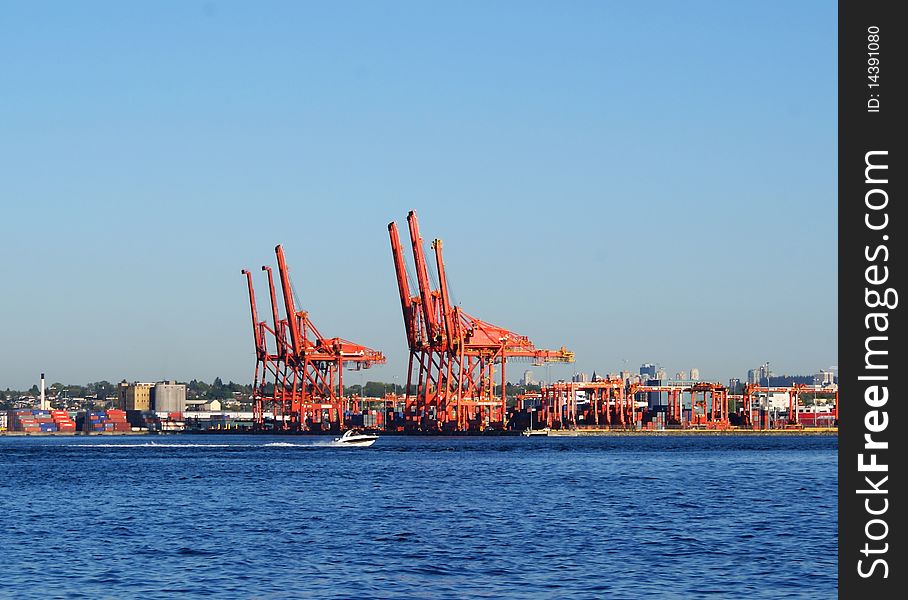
x=660, y=424
x=94, y=422
x=44, y=421
x=116, y=421
x=63, y=421
x=370, y=418
x=23, y=420
x=140, y=420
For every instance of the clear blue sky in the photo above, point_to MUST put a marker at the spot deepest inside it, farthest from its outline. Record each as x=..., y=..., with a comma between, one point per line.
x=639, y=181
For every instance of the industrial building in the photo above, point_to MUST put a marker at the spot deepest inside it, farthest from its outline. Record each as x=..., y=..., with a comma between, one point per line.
x=169, y=397
x=162, y=396
x=135, y=395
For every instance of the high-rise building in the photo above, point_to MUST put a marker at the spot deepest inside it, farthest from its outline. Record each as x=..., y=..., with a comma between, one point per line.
x=661, y=375
x=760, y=375
x=695, y=374
x=824, y=378
x=527, y=378
x=648, y=371
x=580, y=378
x=680, y=376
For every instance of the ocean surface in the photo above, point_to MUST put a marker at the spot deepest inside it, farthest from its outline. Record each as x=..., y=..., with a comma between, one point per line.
x=418, y=517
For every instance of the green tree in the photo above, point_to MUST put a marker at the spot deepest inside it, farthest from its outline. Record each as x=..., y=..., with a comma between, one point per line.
x=375, y=389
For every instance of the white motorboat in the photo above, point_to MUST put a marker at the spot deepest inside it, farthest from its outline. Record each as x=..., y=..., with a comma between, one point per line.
x=353, y=437
x=529, y=432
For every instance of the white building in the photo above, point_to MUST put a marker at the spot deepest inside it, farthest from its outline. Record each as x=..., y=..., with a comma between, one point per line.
x=695, y=374
x=203, y=406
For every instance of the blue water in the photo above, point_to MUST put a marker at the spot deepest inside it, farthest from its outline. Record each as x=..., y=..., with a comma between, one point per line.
x=291, y=517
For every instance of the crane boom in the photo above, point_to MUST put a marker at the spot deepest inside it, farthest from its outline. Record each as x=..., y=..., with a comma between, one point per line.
x=276, y=320
x=403, y=284
x=257, y=334
x=292, y=317
x=451, y=332
x=422, y=277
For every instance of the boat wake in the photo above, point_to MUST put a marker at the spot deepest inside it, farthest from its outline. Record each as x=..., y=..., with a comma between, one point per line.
x=288, y=445
x=154, y=445
x=319, y=444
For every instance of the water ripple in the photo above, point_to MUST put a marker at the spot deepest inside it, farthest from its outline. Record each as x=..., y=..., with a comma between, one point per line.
x=274, y=517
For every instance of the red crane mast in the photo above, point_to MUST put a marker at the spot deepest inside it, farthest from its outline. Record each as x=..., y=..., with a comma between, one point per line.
x=302, y=382
x=453, y=354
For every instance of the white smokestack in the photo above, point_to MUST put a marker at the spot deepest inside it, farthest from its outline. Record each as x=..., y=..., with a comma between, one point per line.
x=42, y=405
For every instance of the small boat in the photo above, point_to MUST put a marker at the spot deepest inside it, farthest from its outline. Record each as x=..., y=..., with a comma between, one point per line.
x=528, y=432
x=353, y=437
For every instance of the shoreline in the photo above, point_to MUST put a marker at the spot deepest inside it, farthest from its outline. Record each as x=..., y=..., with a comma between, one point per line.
x=833, y=431
x=820, y=431
x=73, y=434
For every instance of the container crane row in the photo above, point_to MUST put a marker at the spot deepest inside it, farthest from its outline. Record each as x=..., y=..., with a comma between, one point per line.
x=300, y=382
x=453, y=354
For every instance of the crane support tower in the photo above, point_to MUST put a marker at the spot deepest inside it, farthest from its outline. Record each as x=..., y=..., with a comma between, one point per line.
x=299, y=372
x=453, y=355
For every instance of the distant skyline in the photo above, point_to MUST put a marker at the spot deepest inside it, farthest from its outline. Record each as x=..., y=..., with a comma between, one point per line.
x=649, y=182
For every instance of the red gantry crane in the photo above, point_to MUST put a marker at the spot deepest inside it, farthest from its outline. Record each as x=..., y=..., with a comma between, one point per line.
x=453, y=354
x=301, y=379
